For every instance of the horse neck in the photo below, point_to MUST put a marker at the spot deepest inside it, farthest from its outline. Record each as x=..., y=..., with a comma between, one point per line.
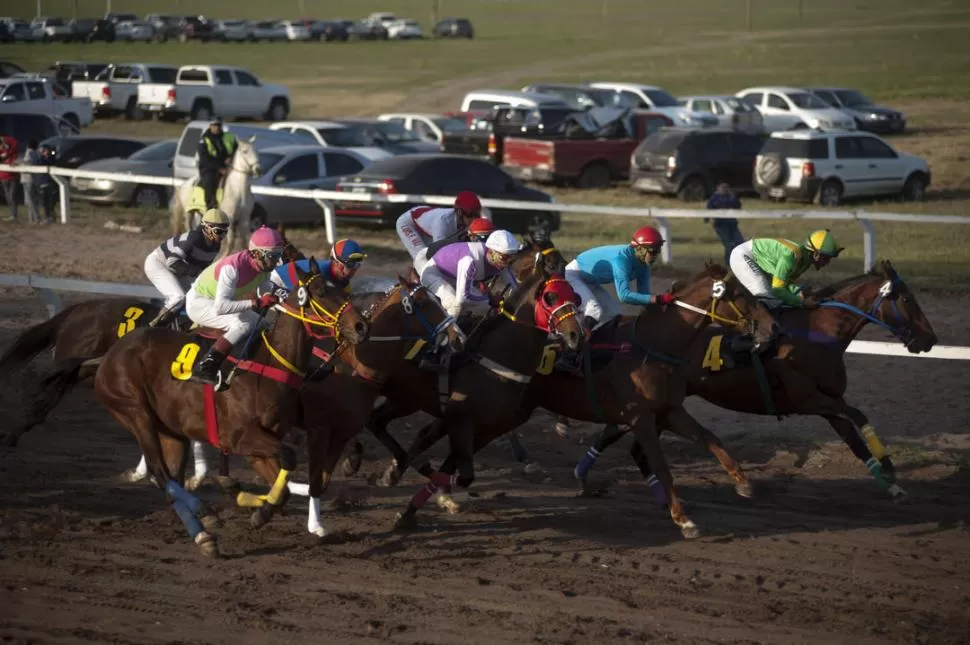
x=839, y=324
x=288, y=339
x=671, y=329
x=514, y=344
x=376, y=359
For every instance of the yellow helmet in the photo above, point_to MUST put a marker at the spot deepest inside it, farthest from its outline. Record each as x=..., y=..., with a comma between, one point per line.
x=215, y=217
x=823, y=242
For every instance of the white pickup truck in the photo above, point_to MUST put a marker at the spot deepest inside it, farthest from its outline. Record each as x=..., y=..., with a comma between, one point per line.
x=115, y=89
x=202, y=91
x=34, y=95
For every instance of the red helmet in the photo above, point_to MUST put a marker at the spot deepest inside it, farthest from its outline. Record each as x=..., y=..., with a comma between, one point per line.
x=480, y=227
x=647, y=236
x=468, y=202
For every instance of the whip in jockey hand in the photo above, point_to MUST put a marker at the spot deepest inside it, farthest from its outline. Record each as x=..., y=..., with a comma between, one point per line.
x=619, y=264
x=346, y=257
x=421, y=226
x=224, y=296
x=216, y=148
x=181, y=258
x=768, y=267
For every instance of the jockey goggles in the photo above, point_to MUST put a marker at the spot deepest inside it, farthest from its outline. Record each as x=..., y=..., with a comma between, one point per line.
x=219, y=229
x=352, y=261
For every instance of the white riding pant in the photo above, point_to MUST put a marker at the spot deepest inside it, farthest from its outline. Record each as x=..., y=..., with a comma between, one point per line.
x=597, y=303
x=421, y=261
x=754, y=279
x=236, y=326
x=164, y=280
x=411, y=237
x=439, y=284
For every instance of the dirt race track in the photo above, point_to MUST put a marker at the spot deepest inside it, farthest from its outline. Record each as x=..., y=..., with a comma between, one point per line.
x=818, y=556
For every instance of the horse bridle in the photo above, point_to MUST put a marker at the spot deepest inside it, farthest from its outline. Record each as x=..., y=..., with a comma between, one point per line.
x=887, y=292
x=718, y=289
x=553, y=313
x=432, y=333
x=321, y=317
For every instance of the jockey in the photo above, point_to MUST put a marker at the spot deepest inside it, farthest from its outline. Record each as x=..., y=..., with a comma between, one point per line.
x=224, y=296
x=346, y=257
x=181, y=258
x=619, y=264
x=478, y=231
x=767, y=267
x=452, y=273
x=422, y=225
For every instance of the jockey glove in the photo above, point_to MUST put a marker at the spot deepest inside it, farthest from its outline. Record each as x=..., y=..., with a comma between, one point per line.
x=664, y=298
x=265, y=301
x=809, y=303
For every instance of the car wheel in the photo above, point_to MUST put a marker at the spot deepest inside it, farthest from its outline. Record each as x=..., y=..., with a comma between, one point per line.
x=201, y=111
x=277, y=110
x=830, y=194
x=694, y=189
x=132, y=111
x=74, y=121
x=915, y=188
x=595, y=175
x=149, y=197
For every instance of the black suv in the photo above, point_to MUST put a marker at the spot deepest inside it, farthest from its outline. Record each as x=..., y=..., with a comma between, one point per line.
x=89, y=30
x=454, y=28
x=691, y=163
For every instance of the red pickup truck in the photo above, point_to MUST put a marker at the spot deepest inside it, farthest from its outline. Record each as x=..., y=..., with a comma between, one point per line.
x=588, y=156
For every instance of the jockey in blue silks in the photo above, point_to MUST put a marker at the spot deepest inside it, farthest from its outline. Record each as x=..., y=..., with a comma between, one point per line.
x=345, y=259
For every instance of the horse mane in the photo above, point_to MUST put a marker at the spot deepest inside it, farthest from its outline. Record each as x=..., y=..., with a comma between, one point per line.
x=830, y=290
x=711, y=270
x=523, y=290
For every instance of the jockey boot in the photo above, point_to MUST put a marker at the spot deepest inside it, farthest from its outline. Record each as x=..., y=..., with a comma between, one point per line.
x=208, y=369
x=165, y=317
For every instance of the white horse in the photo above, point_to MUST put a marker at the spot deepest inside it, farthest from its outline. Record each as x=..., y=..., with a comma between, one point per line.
x=237, y=198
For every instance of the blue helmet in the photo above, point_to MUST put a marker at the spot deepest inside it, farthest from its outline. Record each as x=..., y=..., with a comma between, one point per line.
x=347, y=252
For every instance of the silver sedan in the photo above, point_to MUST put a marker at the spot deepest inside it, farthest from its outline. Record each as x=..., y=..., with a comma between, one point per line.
x=155, y=160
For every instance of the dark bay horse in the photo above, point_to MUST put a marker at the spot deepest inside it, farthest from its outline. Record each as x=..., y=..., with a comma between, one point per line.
x=141, y=382
x=641, y=384
x=806, y=374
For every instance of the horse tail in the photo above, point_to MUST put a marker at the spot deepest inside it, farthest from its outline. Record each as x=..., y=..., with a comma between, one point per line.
x=32, y=342
x=48, y=392
x=178, y=211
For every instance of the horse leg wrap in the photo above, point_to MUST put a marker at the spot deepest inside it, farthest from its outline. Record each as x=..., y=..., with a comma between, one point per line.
x=875, y=445
x=657, y=489
x=443, y=480
x=276, y=492
x=179, y=494
x=423, y=495
x=191, y=522
x=876, y=469
x=250, y=500
x=584, y=465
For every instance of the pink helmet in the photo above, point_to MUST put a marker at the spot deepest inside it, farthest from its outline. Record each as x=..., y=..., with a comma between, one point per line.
x=266, y=239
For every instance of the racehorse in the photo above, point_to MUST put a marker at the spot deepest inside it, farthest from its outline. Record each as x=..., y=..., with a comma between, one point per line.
x=89, y=329
x=806, y=374
x=237, y=198
x=140, y=381
x=637, y=380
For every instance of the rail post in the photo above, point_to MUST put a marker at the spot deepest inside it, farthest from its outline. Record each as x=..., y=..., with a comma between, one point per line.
x=666, y=254
x=65, y=196
x=329, y=218
x=868, y=241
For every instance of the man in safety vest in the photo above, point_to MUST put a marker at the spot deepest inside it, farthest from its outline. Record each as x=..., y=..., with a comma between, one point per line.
x=216, y=148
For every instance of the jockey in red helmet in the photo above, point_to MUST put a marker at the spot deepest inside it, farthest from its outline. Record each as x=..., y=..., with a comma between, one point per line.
x=422, y=226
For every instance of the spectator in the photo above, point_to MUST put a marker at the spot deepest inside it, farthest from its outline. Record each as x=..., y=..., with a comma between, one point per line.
x=47, y=187
x=8, y=155
x=31, y=182
x=726, y=228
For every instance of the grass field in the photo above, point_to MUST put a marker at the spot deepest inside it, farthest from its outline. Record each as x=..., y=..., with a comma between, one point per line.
x=908, y=55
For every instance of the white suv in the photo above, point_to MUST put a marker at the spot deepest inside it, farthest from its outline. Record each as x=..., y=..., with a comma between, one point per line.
x=827, y=167
x=786, y=108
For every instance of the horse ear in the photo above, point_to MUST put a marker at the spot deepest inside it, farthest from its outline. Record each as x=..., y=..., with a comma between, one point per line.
x=402, y=280
x=413, y=277
x=251, y=139
x=676, y=286
x=281, y=229
x=314, y=267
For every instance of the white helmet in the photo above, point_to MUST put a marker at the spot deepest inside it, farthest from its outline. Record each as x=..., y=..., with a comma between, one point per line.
x=503, y=242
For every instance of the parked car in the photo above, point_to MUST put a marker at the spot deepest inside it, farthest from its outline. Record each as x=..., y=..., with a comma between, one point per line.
x=593, y=148
x=484, y=101
x=24, y=126
x=6, y=34
x=186, y=163
x=363, y=30
x=421, y=174
x=115, y=89
x=868, y=116
x=8, y=69
x=195, y=28
x=267, y=30
x=295, y=30
x=829, y=167
x=134, y=31
x=655, y=99
x=690, y=163
x=50, y=29
x=75, y=151
x=202, y=91
x=329, y=31
x=232, y=31
x=332, y=134
x=788, y=108
x=164, y=27
x=20, y=29
x=115, y=18
x=488, y=143
x=730, y=112
x=454, y=28
x=381, y=18
x=579, y=97
x=89, y=30
x=36, y=95
x=430, y=127
x=70, y=71
x=155, y=160
x=300, y=166
x=391, y=137
x=404, y=30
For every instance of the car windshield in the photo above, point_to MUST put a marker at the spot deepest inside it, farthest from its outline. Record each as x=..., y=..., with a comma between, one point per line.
x=807, y=101
x=852, y=98
x=451, y=125
x=344, y=137
x=661, y=143
x=738, y=105
x=393, y=132
x=268, y=159
x=161, y=151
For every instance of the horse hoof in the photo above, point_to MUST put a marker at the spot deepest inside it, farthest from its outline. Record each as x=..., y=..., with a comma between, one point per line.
x=132, y=476
x=744, y=489
x=562, y=430
x=690, y=531
x=194, y=483
x=260, y=517
x=207, y=545
x=209, y=519
x=448, y=504
x=405, y=522
x=897, y=494
x=228, y=485
x=390, y=478
x=531, y=468
x=347, y=468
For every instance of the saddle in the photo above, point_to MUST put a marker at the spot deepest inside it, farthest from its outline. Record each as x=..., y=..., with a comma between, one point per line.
x=197, y=201
x=201, y=340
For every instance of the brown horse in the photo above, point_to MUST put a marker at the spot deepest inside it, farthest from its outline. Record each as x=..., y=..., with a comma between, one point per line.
x=638, y=385
x=138, y=382
x=806, y=374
